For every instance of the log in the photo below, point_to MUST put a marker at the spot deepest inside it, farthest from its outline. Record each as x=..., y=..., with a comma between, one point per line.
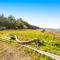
x=35, y=40
x=53, y=56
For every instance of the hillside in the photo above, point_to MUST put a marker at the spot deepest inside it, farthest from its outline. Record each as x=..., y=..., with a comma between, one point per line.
x=50, y=42
x=11, y=22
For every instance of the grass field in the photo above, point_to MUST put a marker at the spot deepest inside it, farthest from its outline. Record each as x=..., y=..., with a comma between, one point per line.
x=50, y=42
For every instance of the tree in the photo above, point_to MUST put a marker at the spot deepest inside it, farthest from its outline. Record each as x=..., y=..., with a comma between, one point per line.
x=11, y=21
x=26, y=25
x=19, y=24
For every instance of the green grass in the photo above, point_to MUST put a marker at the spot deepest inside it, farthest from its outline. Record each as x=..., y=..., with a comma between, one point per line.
x=50, y=42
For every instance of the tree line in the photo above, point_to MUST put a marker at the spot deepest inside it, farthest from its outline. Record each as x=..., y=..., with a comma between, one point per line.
x=11, y=22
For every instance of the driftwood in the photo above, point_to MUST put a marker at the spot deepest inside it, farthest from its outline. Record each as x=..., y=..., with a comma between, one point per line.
x=35, y=40
x=12, y=37
x=53, y=56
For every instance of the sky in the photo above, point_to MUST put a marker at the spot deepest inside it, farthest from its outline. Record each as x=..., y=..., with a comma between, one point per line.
x=42, y=13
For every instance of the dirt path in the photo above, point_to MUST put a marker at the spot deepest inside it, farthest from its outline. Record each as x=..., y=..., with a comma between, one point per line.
x=12, y=53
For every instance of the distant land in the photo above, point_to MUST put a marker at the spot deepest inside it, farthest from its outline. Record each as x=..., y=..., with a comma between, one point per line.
x=52, y=29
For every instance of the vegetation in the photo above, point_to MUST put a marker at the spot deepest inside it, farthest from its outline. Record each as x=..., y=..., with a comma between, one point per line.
x=50, y=41
x=11, y=23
